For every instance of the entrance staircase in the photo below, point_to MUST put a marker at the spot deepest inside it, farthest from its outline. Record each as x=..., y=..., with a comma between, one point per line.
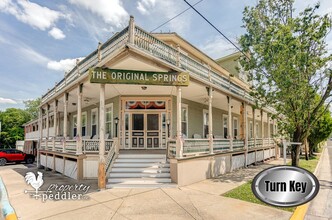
x=140, y=171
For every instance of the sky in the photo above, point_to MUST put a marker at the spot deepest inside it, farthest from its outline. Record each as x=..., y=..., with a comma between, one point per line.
x=40, y=40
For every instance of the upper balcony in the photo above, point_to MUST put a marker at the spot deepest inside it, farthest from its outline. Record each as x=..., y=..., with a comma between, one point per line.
x=137, y=39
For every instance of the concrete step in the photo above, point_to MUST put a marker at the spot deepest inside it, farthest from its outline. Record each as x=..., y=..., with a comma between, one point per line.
x=136, y=156
x=140, y=175
x=142, y=165
x=139, y=170
x=156, y=185
x=139, y=180
x=140, y=160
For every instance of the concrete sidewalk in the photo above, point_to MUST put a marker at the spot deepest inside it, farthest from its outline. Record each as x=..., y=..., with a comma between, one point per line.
x=196, y=201
x=320, y=207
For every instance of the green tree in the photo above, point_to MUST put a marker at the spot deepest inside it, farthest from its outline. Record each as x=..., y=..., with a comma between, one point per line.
x=321, y=130
x=31, y=106
x=12, y=130
x=287, y=62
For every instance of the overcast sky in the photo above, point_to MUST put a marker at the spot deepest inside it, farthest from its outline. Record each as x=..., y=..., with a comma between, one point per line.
x=40, y=40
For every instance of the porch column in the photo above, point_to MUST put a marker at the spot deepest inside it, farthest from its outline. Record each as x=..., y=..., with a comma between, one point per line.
x=277, y=149
x=245, y=118
x=47, y=125
x=210, y=91
x=79, y=120
x=55, y=114
x=101, y=167
x=254, y=125
x=268, y=128
x=230, y=133
x=179, y=144
x=40, y=129
x=262, y=127
x=65, y=118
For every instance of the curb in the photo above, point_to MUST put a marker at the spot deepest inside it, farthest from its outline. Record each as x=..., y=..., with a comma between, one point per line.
x=301, y=210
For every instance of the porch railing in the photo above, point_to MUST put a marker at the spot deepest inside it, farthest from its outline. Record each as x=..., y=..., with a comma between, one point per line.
x=221, y=144
x=70, y=146
x=195, y=147
x=251, y=143
x=111, y=155
x=238, y=144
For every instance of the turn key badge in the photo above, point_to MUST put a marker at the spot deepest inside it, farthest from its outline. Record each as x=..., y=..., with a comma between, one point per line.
x=285, y=186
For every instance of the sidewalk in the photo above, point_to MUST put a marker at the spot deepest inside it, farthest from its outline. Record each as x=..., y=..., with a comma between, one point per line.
x=196, y=201
x=321, y=206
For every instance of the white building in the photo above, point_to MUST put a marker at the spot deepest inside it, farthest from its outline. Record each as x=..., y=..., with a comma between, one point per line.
x=153, y=110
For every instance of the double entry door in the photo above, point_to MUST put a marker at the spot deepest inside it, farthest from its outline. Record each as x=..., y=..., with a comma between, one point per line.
x=147, y=130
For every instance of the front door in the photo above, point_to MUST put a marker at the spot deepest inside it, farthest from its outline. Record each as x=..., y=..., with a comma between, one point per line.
x=146, y=130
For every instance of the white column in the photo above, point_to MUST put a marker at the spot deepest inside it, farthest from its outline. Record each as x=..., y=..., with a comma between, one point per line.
x=268, y=128
x=254, y=125
x=55, y=121
x=40, y=129
x=246, y=129
x=131, y=30
x=230, y=129
x=65, y=120
x=101, y=167
x=262, y=126
x=79, y=121
x=47, y=125
x=179, y=144
x=210, y=121
x=277, y=149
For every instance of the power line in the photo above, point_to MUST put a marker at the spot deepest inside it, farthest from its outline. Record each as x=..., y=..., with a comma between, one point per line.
x=175, y=17
x=192, y=6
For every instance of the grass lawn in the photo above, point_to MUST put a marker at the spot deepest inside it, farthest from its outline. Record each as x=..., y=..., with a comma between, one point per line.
x=244, y=192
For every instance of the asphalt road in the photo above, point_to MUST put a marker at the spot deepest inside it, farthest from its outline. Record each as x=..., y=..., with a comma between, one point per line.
x=321, y=207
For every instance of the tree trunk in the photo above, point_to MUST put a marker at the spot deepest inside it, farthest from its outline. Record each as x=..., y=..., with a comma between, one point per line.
x=295, y=153
x=306, y=149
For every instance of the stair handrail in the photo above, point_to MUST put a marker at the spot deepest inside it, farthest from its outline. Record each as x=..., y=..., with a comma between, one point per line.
x=111, y=155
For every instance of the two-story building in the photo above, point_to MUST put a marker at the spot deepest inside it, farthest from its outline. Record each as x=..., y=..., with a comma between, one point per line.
x=150, y=110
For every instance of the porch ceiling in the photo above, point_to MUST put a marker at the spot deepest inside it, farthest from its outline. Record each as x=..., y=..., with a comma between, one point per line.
x=198, y=93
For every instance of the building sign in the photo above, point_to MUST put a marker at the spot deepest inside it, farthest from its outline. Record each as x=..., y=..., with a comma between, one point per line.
x=115, y=76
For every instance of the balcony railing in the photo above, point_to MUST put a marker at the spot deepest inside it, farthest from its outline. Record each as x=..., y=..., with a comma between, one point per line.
x=157, y=48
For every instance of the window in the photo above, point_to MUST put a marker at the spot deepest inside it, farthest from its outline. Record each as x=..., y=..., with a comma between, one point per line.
x=225, y=121
x=257, y=130
x=251, y=131
x=94, y=121
x=184, y=119
x=84, y=122
x=74, y=125
x=235, y=128
x=109, y=120
x=205, y=123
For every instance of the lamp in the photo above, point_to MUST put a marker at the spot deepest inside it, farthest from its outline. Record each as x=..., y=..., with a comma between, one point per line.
x=168, y=122
x=116, y=121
